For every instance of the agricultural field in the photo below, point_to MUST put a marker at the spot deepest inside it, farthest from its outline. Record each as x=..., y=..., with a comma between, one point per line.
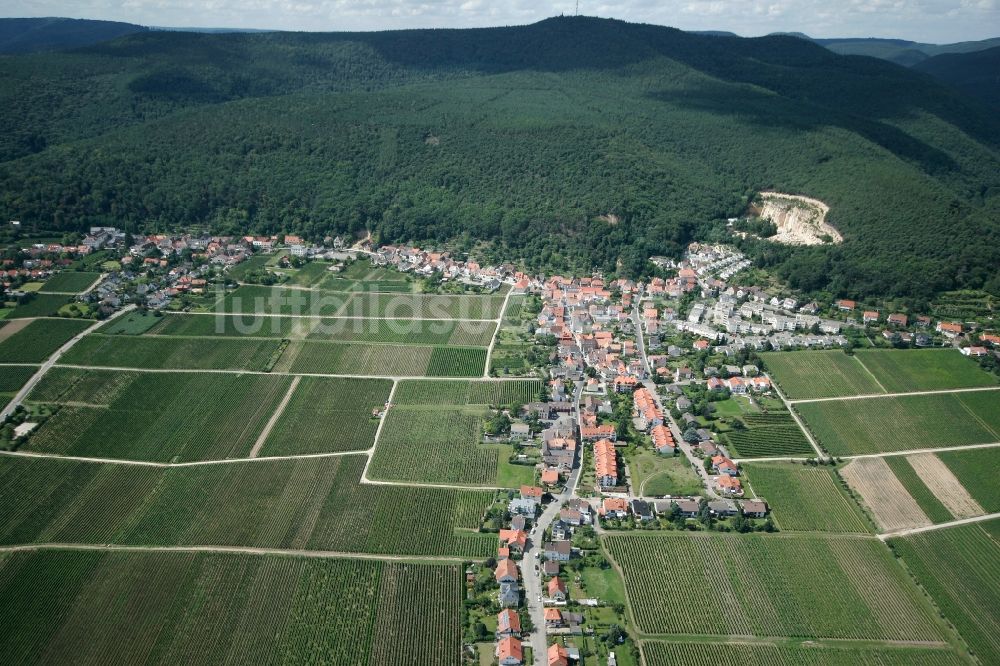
x=771, y=434
x=654, y=474
x=253, y=264
x=174, y=353
x=769, y=585
x=819, y=374
x=161, y=417
x=901, y=423
x=906, y=370
x=424, y=306
x=133, y=323
x=805, y=498
x=305, y=504
x=461, y=392
x=41, y=305
x=67, y=606
x=669, y=653
x=958, y=568
x=36, y=341
x=888, y=501
x=254, y=299
x=393, y=331
x=12, y=378
x=434, y=446
x=976, y=470
x=327, y=415
x=930, y=505
x=69, y=282
x=456, y=362
x=379, y=360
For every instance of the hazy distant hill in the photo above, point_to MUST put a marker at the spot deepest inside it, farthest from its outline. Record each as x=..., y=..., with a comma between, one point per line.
x=976, y=73
x=31, y=35
x=901, y=51
x=523, y=141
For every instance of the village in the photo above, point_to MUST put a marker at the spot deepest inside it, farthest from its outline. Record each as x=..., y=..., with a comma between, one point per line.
x=649, y=387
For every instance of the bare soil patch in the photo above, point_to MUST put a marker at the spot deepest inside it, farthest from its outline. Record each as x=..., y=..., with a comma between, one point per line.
x=945, y=485
x=12, y=327
x=892, y=507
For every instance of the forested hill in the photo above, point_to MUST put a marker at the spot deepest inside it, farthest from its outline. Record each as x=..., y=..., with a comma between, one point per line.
x=976, y=74
x=570, y=143
x=31, y=35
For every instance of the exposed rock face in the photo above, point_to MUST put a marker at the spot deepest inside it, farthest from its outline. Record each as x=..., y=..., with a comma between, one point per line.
x=800, y=220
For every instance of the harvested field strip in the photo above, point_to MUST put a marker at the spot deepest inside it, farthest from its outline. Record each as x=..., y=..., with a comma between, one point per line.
x=307, y=504
x=960, y=568
x=439, y=446
x=326, y=415
x=892, y=507
x=462, y=392
x=179, y=353
x=901, y=371
x=158, y=417
x=202, y=608
x=976, y=470
x=769, y=586
x=930, y=505
x=819, y=374
x=880, y=425
x=666, y=653
x=942, y=482
x=39, y=339
x=805, y=498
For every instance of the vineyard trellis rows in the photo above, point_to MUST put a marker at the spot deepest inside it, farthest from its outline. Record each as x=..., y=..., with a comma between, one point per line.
x=770, y=586
x=805, y=498
x=668, y=653
x=39, y=339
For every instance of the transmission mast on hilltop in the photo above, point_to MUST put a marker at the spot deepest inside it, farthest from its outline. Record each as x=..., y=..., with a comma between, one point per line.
x=577, y=7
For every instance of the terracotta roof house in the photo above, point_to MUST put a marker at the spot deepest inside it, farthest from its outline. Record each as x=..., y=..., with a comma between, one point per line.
x=510, y=652
x=557, y=655
x=729, y=485
x=557, y=589
x=508, y=623
x=553, y=618
x=506, y=572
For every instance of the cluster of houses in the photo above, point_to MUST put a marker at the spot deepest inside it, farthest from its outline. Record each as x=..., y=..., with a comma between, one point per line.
x=620, y=508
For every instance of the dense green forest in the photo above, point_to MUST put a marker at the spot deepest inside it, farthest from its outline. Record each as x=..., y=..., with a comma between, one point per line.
x=976, y=74
x=515, y=141
x=31, y=35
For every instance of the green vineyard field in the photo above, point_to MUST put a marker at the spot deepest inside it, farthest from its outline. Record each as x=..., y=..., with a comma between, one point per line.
x=878, y=425
x=39, y=339
x=665, y=653
x=326, y=415
x=306, y=504
x=976, y=469
x=767, y=585
x=163, y=417
x=459, y=392
x=69, y=282
x=209, y=608
x=819, y=374
x=806, y=498
x=901, y=371
x=774, y=434
x=173, y=353
x=958, y=568
x=434, y=446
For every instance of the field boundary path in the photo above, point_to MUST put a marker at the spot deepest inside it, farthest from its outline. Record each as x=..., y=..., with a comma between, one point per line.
x=795, y=417
x=316, y=316
x=939, y=526
x=244, y=550
x=395, y=378
x=51, y=361
x=886, y=454
x=867, y=396
x=872, y=374
x=278, y=411
x=496, y=334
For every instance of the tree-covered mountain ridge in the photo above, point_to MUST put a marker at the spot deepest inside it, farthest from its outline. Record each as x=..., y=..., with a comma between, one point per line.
x=515, y=141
